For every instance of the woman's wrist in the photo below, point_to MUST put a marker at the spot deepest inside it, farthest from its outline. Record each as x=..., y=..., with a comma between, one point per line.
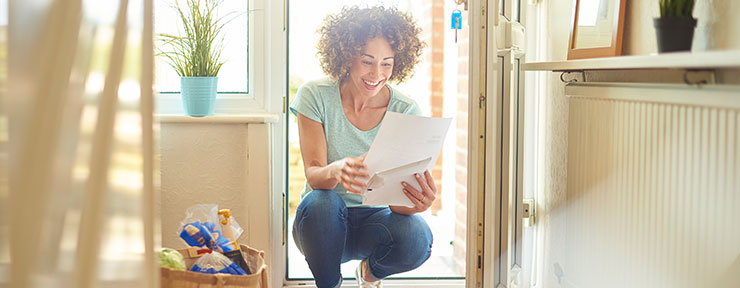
x=322, y=177
x=334, y=170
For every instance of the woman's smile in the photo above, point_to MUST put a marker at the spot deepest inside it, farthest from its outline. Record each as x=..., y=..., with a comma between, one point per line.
x=372, y=85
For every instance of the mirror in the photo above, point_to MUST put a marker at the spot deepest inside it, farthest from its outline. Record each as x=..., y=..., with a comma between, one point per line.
x=594, y=27
x=597, y=28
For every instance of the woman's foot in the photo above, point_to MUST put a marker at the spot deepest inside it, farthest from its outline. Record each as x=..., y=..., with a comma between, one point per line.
x=363, y=280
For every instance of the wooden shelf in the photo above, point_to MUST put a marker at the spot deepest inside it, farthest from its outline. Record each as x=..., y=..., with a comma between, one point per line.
x=681, y=60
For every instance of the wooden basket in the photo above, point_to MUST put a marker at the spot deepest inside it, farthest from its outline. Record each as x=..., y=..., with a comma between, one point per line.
x=186, y=279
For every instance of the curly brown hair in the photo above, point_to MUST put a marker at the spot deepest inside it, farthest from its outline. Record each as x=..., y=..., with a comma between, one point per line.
x=344, y=35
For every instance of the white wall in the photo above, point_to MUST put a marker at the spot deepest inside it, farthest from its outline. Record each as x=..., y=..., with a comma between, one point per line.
x=717, y=27
x=717, y=30
x=222, y=163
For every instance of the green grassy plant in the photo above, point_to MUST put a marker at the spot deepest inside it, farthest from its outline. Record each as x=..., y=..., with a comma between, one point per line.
x=676, y=8
x=198, y=52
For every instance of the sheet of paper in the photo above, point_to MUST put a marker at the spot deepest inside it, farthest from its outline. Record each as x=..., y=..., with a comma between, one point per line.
x=402, y=143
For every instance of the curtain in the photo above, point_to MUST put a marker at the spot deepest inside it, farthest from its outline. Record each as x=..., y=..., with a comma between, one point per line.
x=77, y=137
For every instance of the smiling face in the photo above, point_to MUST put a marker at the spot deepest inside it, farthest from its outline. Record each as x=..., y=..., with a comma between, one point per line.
x=369, y=72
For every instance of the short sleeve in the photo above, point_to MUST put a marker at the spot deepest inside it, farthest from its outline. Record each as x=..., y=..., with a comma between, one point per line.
x=308, y=104
x=413, y=109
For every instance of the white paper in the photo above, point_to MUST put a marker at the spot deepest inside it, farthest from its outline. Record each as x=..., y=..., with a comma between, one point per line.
x=405, y=144
x=394, y=175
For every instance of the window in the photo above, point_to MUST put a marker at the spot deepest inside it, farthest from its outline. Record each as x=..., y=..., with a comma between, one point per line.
x=236, y=85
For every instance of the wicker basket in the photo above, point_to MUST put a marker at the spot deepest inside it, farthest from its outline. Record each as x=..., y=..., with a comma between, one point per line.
x=185, y=279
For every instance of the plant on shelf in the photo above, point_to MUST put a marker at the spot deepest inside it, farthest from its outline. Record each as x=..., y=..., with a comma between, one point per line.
x=196, y=56
x=675, y=27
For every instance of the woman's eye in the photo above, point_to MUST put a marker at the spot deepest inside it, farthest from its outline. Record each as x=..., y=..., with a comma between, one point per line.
x=367, y=62
x=387, y=64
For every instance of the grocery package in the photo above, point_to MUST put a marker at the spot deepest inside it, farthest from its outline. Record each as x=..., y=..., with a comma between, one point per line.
x=170, y=278
x=215, y=262
x=231, y=249
x=205, y=226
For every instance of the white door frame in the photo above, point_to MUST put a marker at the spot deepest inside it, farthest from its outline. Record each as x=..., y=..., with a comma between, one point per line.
x=493, y=205
x=481, y=261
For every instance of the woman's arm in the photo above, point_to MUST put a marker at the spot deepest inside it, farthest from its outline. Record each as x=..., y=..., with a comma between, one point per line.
x=319, y=175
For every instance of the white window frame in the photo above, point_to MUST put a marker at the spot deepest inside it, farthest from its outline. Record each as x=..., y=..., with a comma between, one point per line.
x=262, y=48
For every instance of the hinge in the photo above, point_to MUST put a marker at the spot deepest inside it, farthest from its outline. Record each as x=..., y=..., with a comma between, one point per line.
x=481, y=100
x=285, y=17
x=284, y=222
x=528, y=214
x=284, y=104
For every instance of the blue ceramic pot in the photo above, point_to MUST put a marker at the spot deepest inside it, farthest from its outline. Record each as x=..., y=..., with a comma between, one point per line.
x=198, y=95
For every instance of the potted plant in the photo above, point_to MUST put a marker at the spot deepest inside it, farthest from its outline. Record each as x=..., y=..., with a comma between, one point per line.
x=675, y=27
x=196, y=56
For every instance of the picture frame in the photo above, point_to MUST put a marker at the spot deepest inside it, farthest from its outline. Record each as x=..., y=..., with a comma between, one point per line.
x=596, y=29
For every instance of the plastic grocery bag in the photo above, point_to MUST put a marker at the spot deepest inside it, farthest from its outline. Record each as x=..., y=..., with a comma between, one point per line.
x=201, y=228
x=215, y=262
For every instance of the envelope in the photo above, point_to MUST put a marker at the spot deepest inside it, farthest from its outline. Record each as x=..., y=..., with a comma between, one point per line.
x=384, y=187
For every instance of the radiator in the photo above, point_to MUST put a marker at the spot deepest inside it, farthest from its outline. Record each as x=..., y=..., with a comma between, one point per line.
x=653, y=192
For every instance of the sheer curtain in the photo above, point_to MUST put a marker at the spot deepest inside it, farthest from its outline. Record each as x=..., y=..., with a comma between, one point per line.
x=76, y=132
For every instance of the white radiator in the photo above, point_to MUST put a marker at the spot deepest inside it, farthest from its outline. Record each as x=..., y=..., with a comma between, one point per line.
x=653, y=191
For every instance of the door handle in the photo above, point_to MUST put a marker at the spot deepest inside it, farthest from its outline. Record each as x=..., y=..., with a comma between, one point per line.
x=462, y=2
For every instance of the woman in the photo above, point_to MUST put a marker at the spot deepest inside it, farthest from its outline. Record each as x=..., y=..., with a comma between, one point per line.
x=338, y=117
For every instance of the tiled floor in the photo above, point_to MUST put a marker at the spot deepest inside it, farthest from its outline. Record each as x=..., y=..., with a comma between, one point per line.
x=440, y=264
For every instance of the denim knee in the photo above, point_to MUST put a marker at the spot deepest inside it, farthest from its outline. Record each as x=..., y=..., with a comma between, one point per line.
x=417, y=240
x=321, y=203
x=318, y=208
x=412, y=236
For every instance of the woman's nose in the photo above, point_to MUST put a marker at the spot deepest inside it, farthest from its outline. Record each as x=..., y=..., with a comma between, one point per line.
x=375, y=70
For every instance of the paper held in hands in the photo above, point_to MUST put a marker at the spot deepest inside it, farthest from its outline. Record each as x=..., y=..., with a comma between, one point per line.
x=405, y=144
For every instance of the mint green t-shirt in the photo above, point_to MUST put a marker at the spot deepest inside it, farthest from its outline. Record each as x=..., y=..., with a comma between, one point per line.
x=319, y=100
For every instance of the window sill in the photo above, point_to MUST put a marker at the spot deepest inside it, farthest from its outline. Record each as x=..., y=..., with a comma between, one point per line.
x=226, y=104
x=248, y=118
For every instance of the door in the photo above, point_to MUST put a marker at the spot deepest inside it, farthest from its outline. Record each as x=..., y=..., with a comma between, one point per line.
x=498, y=157
x=440, y=88
x=510, y=103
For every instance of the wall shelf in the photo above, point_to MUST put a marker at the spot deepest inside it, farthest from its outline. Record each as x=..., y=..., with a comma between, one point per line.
x=681, y=60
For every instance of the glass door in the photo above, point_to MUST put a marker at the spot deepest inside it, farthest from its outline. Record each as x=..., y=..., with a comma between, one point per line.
x=439, y=86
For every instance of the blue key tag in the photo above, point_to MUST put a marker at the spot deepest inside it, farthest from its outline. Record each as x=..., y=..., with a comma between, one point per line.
x=456, y=22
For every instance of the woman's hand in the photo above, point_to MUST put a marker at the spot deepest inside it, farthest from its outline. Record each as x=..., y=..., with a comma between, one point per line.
x=422, y=199
x=351, y=173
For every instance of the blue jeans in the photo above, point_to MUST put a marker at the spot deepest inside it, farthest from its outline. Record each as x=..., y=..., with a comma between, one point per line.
x=328, y=234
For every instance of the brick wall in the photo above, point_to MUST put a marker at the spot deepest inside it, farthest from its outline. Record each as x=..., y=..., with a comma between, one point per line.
x=434, y=28
x=461, y=141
